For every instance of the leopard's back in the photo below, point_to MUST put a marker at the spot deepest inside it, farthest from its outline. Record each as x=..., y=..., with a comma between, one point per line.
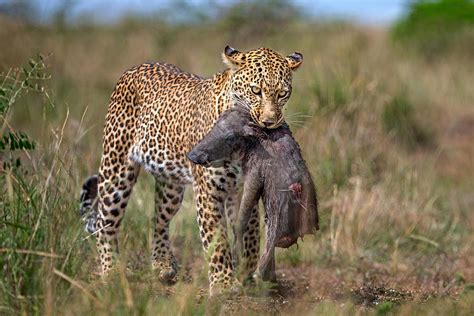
x=152, y=113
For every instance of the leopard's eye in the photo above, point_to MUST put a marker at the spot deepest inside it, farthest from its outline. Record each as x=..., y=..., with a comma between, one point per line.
x=283, y=93
x=256, y=90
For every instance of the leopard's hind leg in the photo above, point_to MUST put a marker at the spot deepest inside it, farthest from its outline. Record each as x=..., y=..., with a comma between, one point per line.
x=117, y=173
x=114, y=191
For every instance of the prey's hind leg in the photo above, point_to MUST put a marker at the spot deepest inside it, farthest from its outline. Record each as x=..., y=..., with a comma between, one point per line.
x=168, y=198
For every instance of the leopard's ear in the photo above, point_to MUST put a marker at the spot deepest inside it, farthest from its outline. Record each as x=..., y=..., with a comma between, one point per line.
x=233, y=58
x=294, y=60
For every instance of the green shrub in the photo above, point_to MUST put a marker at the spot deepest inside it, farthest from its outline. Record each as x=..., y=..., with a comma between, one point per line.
x=399, y=121
x=14, y=84
x=384, y=308
x=437, y=27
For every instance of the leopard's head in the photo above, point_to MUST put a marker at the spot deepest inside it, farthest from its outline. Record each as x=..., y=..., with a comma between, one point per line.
x=261, y=82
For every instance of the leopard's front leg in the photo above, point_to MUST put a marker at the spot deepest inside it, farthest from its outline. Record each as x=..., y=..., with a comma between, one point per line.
x=211, y=187
x=250, y=240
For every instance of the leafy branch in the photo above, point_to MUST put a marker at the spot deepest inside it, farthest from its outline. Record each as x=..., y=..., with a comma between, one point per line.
x=14, y=84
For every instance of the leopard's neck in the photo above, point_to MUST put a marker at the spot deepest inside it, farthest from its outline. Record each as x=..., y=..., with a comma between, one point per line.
x=222, y=92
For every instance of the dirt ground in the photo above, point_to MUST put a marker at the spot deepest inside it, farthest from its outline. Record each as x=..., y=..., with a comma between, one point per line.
x=303, y=288
x=364, y=285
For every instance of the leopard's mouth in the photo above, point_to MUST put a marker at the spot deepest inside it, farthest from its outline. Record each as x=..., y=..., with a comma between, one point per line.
x=269, y=125
x=261, y=121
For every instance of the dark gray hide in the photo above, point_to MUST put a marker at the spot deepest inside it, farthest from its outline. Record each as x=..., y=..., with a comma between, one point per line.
x=274, y=170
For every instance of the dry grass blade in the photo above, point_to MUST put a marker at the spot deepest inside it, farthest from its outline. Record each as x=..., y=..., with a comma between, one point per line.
x=424, y=239
x=77, y=285
x=32, y=252
x=96, y=232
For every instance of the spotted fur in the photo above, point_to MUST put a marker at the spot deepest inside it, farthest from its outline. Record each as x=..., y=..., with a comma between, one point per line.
x=157, y=112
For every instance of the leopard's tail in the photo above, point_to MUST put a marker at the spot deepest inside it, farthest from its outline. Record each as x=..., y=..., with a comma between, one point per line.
x=88, y=203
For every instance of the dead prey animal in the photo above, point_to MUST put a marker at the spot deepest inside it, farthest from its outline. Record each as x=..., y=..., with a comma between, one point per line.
x=274, y=170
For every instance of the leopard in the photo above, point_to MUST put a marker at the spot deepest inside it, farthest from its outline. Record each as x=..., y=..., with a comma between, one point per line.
x=156, y=114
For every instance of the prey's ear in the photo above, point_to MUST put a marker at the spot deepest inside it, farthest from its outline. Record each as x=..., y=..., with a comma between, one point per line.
x=294, y=60
x=233, y=58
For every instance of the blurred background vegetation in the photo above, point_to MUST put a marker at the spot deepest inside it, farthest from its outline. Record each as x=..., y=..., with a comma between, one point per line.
x=383, y=113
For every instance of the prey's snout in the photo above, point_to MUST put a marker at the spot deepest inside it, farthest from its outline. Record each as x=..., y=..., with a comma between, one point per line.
x=198, y=157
